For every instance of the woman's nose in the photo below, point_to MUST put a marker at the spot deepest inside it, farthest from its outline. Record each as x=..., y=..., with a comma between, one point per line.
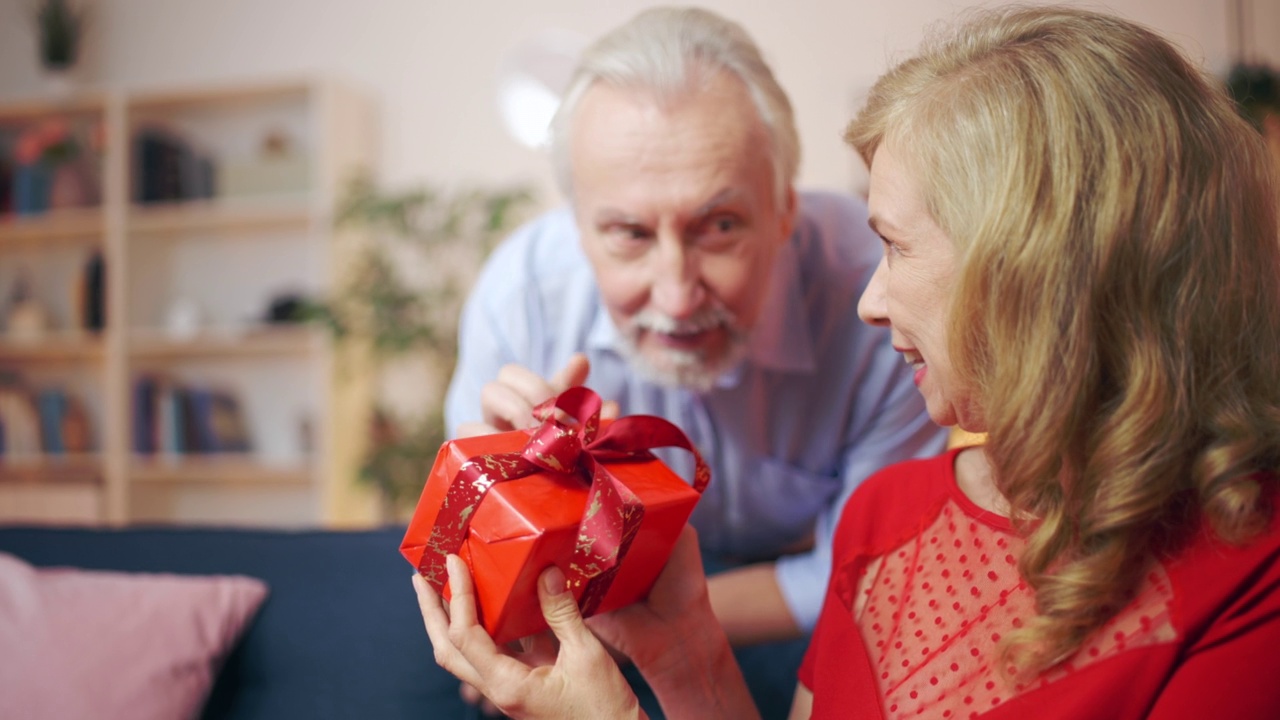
x=871, y=306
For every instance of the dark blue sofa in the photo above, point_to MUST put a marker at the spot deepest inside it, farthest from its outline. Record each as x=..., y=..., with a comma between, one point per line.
x=339, y=636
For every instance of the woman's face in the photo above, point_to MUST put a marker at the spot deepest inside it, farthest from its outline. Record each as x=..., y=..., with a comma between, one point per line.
x=911, y=289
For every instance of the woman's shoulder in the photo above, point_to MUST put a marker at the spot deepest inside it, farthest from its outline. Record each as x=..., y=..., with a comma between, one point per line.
x=896, y=499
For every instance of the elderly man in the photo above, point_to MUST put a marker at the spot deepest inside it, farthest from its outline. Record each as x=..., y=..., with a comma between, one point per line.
x=690, y=280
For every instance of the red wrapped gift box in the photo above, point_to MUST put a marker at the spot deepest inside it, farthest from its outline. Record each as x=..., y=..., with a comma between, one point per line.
x=589, y=499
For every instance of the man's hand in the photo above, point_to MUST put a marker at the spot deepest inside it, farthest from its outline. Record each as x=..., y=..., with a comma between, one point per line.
x=675, y=641
x=507, y=403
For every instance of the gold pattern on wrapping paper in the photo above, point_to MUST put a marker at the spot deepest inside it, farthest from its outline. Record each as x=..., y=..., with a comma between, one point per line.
x=502, y=466
x=588, y=572
x=482, y=483
x=584, y=543
x=465, y=515
x=586, y=546
x=551, y=461
x=596, y=504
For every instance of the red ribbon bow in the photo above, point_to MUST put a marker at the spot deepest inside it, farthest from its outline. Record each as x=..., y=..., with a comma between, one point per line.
x=613, y=512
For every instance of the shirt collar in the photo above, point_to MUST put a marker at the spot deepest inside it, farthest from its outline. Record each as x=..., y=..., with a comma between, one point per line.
x=780, y=339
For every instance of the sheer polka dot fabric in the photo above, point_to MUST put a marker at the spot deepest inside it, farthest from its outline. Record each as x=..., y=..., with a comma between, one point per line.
x=932, y=612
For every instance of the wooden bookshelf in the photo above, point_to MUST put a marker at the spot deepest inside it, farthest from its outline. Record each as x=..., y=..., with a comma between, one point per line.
x=231, y=253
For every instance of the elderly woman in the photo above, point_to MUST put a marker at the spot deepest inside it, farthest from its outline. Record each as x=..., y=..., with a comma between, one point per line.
x=1081, y=260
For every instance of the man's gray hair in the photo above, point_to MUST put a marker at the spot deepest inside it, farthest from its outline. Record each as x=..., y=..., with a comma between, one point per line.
x=669, y=52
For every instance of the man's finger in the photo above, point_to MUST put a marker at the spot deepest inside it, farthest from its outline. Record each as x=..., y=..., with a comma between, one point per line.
x=471, y=429
x=609, y=410
x=504, y=407
x=573, y=373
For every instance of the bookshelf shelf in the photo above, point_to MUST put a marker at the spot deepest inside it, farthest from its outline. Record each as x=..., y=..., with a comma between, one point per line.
x=220, y=200
x=37, y=108
x=221, y=216
x=83, y=224
x=236, y=469
x=154, y=345
x=55, y=469
x=57, y=348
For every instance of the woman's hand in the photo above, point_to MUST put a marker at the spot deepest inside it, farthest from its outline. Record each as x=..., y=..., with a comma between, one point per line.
x=582, y=682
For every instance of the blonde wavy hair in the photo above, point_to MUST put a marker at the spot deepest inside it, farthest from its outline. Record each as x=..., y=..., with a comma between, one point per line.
x=1117, y=312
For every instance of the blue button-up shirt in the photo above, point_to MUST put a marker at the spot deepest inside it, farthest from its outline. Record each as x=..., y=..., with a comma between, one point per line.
x=820, y=402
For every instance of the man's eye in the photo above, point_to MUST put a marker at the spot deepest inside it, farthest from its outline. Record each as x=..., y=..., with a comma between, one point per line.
x=719, y=232
x=627, y=232
x=626, y=241
x=724, y=224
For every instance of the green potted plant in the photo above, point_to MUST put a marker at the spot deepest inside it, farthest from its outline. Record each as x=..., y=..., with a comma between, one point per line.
x=390, y=316
x=60, y=24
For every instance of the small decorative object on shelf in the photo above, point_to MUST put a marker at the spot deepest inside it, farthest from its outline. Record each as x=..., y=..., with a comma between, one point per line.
x=60, y=26
x=184, y=318
x=93, y=300
x=25, y=318
x=57, y=162
x=277, y=169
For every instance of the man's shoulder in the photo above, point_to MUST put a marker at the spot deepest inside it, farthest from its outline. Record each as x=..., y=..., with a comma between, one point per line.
x=543, y=252
x=550, y=237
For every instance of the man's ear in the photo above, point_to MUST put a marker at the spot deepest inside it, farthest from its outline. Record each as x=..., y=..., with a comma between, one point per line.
x=787, y=215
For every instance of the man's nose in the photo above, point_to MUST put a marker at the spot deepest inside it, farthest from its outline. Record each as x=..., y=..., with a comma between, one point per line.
x=677, y=291
x=872, y=307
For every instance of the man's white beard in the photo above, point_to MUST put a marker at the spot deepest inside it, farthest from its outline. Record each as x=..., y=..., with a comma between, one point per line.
x=684, y=368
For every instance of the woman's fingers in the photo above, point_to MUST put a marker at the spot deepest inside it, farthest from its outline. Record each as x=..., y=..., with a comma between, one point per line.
x=560, y=609
x=437, y=623
x=582, y=682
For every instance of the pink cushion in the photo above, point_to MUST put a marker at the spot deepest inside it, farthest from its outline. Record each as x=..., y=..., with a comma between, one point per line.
x=90, y=644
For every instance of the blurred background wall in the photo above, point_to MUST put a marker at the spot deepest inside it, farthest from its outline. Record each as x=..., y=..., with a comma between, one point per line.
x=432, y=67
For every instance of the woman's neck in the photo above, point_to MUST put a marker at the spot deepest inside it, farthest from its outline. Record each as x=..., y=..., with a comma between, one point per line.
x=974, y=477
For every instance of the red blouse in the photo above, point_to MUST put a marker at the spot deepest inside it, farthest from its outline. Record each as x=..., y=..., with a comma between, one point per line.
x=925, y=582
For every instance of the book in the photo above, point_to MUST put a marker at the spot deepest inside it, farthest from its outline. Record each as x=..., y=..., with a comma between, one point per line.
x=143, y=414
x=51, y=405
x=218, y=421
x=21, y=421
